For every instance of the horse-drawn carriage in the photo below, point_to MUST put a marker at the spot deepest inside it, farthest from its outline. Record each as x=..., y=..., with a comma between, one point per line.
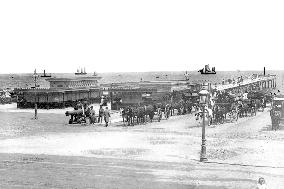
x=278, y=104
x=150, y=112
x=247, y=107
x=139, y=114
x=224, y=111
x=277, y=111
x=259, y=99
x=224, y=107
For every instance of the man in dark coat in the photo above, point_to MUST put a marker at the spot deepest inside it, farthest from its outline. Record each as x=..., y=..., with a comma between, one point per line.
x=101, y=114
x=92, y=115
x=106, y=116
x=275, y=118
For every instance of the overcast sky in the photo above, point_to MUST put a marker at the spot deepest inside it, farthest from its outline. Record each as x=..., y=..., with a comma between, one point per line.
x=145, y=35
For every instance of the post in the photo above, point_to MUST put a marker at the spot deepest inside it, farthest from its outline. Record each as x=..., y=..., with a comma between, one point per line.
x=264, y=71
x=203, y=144
x=35, y=80
x=35, y=110
x=203, y=100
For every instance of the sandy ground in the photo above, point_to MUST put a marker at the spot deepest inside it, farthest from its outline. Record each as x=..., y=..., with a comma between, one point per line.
x=13, y=108
x=48, y=153
x=116, y=117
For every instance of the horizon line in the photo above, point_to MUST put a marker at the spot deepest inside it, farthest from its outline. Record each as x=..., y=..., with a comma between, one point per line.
x=142, y=71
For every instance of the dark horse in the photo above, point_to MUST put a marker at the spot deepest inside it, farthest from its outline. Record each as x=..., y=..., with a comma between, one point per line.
x=150, y=111
x=129, y=116
x=219, y=114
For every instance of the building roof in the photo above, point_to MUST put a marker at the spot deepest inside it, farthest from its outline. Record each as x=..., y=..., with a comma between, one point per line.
x=91, y=78
x=50, y=90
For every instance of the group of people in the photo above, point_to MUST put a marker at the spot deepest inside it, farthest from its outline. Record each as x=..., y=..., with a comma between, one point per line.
x=222, y=105
x=88, y=112
x=234, y=111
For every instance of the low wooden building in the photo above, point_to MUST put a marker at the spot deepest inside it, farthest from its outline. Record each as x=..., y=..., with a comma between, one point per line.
x=122, y=97
x=147, y=92
x=63, y=92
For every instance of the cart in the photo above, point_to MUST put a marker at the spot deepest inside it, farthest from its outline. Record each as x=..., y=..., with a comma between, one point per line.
x=278, y=102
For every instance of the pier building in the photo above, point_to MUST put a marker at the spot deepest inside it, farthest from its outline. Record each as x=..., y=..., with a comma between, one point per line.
x=260, y=82
x=61, y=93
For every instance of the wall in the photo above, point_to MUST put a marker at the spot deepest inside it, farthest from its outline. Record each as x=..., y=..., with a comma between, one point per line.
x=73, y=84
x=133, y=98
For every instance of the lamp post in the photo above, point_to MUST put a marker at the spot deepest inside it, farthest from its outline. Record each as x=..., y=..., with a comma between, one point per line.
x=203, y=100
x=35, y=76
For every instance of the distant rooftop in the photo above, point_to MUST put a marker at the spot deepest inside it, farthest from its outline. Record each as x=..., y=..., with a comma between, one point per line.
x=74, y=78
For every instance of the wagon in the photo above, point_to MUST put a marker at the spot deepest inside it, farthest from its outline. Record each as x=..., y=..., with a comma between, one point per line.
x=279, y=103
x=158, y=115
x=77, y=117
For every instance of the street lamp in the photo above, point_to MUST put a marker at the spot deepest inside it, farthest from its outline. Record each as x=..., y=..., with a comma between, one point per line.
x=203, y=101
x=35, y=76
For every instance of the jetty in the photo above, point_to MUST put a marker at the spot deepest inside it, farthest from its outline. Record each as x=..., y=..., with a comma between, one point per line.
x=260, y=82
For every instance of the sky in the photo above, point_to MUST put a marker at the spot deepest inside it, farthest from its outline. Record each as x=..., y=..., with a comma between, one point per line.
x=149, y=35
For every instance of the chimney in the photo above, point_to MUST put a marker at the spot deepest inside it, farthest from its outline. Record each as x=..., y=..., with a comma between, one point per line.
x=264, y=71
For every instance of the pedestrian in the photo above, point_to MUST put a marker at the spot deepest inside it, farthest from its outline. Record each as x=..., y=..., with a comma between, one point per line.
x=159, y=113
x=92, y=115
x=275, y=118
x=78, y=105
x=209, y=114
x=101, y=114
x=261, y=183
x=106, y=116
x=123, y=114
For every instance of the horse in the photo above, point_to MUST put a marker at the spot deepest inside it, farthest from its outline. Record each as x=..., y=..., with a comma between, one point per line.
x=234, y=113
x=149, y=111
x=159, y=114
x=167, y=111
x=219, y=114
x=259, y=104
x=129, y=116
x=244, y=110
x=141, y=114
x=252, y=108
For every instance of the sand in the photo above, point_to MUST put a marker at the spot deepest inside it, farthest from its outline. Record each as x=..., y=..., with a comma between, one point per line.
x=243, y=150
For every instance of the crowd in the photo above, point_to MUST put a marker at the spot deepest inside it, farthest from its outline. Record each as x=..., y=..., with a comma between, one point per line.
x=83, y=113
x=220, y=107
